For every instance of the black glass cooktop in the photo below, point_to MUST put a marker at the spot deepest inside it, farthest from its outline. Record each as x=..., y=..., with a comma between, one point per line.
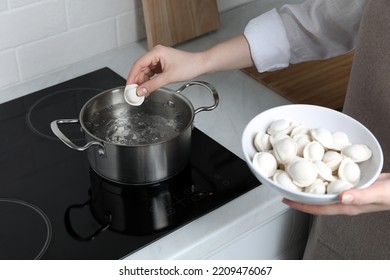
x=53, y=206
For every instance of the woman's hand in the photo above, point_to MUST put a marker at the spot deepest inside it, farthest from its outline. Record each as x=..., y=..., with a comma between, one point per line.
x=374, y=198
x=161, y=66
x=164, y=65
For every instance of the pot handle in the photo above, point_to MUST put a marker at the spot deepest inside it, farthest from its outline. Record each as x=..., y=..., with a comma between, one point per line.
x=54, y=127
x=209, y=87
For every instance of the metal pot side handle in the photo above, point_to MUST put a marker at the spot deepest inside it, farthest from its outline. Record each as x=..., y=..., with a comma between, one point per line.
x=54, y=127
x=209, y=87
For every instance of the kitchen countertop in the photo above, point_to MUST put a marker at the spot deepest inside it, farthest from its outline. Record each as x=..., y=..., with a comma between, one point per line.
x=241, y=98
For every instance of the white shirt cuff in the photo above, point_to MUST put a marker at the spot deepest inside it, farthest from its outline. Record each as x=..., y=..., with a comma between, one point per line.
x=268, y=42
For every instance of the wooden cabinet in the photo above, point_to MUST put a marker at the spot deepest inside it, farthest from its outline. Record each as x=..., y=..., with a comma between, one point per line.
x=322, y=82
x=170, y=22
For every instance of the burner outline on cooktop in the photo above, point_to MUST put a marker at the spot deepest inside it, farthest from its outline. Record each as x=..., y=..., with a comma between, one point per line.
x=44, y=217
x=45, y=97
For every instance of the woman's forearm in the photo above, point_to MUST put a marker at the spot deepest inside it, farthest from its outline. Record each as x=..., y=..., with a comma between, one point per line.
x=164, y=65
x=228, y=55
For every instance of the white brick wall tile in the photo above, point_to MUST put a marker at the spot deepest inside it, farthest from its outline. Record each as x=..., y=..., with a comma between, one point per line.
x=31, y=23
x=131, y=27
x=62, y=50
x=20, y=3
x=8, y=68
x=3, y=5
x=86, y=11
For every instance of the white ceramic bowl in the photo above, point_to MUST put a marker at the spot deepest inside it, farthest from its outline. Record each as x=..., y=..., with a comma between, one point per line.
x=314, y=117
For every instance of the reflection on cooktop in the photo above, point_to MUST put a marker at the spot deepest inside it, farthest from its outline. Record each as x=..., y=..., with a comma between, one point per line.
x=131, y=209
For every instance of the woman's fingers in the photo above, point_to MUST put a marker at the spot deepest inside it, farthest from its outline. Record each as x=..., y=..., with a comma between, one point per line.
x=354, y=201
x=377, y=193
x=144, y=68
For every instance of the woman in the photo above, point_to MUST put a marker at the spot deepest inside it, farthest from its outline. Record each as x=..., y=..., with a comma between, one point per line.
x=358, y=227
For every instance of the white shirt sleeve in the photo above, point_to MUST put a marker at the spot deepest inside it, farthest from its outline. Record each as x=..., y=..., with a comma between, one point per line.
x=314, y=29
x=268, y=41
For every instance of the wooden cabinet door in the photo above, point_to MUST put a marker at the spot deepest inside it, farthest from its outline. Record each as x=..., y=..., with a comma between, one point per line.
x=170, y=22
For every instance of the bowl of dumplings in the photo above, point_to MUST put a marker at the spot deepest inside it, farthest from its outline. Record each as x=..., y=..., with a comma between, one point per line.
x=310, y=154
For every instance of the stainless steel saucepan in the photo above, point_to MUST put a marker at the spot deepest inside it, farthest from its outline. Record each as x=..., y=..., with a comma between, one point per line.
x=137, y=144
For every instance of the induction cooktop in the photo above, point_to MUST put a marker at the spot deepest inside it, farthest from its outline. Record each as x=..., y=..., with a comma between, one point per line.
x=54, y=206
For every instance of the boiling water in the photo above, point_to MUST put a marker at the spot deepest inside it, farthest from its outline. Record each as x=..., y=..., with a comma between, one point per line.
x=119, y=125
